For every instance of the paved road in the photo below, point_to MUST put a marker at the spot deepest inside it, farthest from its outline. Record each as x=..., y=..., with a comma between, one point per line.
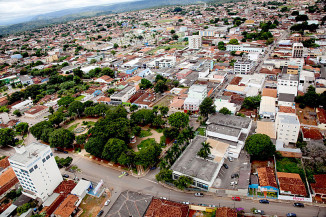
x=148, y=185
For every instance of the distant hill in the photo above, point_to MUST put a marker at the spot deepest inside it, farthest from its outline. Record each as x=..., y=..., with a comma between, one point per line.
x=78, y=13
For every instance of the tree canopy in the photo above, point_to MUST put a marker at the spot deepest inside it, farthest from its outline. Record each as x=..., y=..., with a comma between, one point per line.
x=61, y=138
x=179, y=120
x=260, y=146
x=207, y=107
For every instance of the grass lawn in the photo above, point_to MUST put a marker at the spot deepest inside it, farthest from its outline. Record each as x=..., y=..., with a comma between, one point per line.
x=176, y=46
x=73, y=127
x=146, y=143
x=159, y=130
x=79, y=98
x=164, y=21
x=145, y=133
x=91, y=123
x=92, y=205
x=201, y=131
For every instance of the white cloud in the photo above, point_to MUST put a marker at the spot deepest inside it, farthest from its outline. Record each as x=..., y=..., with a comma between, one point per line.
x=15, y=9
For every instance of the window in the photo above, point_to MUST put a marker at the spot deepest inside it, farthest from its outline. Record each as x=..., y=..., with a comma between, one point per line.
x=31, y=170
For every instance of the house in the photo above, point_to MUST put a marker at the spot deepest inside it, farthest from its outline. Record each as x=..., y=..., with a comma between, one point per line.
x=225, y=102
x=81, y=189
x=23, y=106
x=267, y=128
x=203, y=171
x=288, y=83
x=267, y=182
x=162, y=208
x=267, y=107
x=243, y=66
x=287, y=127
x=230, y=129
x=319, y=188
x=104, y=79
x=8, y=180
x=37, y=111
x=321, y=115
x=68, y=207
x=291, y=184
x=25, y=80
x=226, y=212
x=104, y=100
x=311, y=133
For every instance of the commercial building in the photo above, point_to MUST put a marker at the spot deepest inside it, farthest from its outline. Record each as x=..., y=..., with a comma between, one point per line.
x=288, y=83
x=267, y=182
x=36, y=170
x=243, y=66
x=36, y=111
x=297, y=50
x=287, y=127
x=319, y=188
x=203, y=171
x=123, y=95
x=267, y=107
x=195, y=42
x=291, y=184
x=196, y=95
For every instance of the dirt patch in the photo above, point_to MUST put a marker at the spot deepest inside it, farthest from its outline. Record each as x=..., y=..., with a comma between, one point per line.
x=256, y=164
x=92, y=205
x=307, y=116
x=164, y=101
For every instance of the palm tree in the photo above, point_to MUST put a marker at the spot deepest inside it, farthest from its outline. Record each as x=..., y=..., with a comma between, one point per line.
x=205, y=150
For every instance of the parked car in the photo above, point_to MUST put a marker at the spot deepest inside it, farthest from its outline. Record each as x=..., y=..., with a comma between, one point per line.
x=164, y=198
x=298, y=204
x=199, y=194
x=226, y=166
x=100, y=213
x=291, y=215
x=258, y=211
x=235, y=175
x=65, y=176
x=264, y=201
x=230, y=159
x=186, y=202
x=233, y=183
x=153, y=168
x=211, y=205
x=236, y=198
x=107, y=202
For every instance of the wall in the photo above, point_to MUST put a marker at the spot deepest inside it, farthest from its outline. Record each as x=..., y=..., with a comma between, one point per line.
x=298, y=199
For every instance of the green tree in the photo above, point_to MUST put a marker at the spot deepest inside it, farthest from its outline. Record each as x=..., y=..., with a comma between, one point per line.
x=56, y=118
x=225, y=111
x=234, y=41
x=142, y=116
x=113, y=149
x=172, y=31
x=22, y=128
x=175, y=37
x=164, y=110
x=23, y=208
x=61, y=138
x=183, y=182
x=127, y=158
x=148, y=156
x=179, y=120
x=81, y=139
x=158, y=121
x=63, y=162
x=260, y=146
x=205, y=150
x=144, y=84
x=164, y=175
x=207, y=107
x=95, y=146
x=76, y=107
x=160, y=86
x=37, y=129
x=51, y=110
x=115, y=46
x=251, y=102
x=17, y=113
x=65, y=101
x=7, y=137
x=133, y=107
x=221, y=46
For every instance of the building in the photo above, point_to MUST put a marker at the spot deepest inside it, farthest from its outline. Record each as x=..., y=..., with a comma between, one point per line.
x=36, y=170
x=8, y=179
x=123, y=95
x=197, y=93
x=267, y=108
x=37, y=111
x=288, y=83
x=297, y=50
x=162, y=62
x=286, y=99
x=319, y=188
x=161, y=207
x=243, y=66
x=23, y=106
x=267, y=182
x=230, y=129
x=226, y=212
x=195, y=42
x=203, y=171
x=290, y=184
x=287, y=127
x=25, y=80
x=306, y=79
x=68, y=207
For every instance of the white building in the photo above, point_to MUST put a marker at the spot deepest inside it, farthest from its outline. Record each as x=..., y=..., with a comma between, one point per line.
x=288, y=83
x=195, y=42
x=297, y=50
x=123, y=95
x=306, y=78
x=23, y=106
x=243, y=66
x=196, y=95
x=244, y=48
x=36, y=170
x=162, y=62
x=287, y=127
x=267, y=107
x=224, y=102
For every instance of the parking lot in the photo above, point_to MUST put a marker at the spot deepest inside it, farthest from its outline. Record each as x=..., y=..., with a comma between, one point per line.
x=224, y=179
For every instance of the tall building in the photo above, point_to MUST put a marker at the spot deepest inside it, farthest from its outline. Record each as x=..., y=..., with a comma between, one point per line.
x=243, y=66
x=288, y=127
x=297, y=50
x=195, y=42
x=36, y=170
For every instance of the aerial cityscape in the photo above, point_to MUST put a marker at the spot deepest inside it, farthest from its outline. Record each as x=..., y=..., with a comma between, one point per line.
x=213, y=108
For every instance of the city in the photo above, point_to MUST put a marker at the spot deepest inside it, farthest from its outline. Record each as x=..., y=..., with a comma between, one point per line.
x=213, y=108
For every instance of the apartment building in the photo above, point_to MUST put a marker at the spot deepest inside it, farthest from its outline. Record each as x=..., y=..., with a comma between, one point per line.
x=297, y=50
x=243, y=66
x=196, y=95
x=287, y=127
x=288, y=83
x=195, y=42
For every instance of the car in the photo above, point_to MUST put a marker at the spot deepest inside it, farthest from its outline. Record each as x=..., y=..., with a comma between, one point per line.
x=199, y=194
x=264, y=201
x=100, y=213
x=291, y=215
x=233, y=183
x=164, y=198
x=236, y=198
x=65, y=176
x=107, y=202
x=211, y=205
x=152, y=168
x=226, y=166
x=65, y=152
x=186, y=202
x=230, y=159
x=258, y=211
x=235, y=175
x=298, y=204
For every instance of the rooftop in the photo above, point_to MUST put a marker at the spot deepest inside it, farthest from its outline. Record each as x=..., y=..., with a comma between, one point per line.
x=28, y=153
x=269, y=92
x=226, y=212
x=320, y=186
x=266, y=177
x=36, y=109
x=229, y=120
x=67, y=207
x=291, y=182
x=286, y=97
x=267, y=128
x=166, y=208
x=8, y=176
x=230, y=131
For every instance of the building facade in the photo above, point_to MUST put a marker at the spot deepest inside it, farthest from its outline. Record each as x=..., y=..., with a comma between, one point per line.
x=287, y=127
x=195, y=42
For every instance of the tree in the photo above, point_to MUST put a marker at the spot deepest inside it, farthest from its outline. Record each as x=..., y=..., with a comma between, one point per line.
x=171, y=133
x=113, y=149
x=142, y=116
x=225, y=111
x=144, y=84
x=76, y=107
x=172, y=31
x=81, y=139
x=7, y=137
x=56, y=118
x=38, y=129
x=234, y=41
x=260, y=146
x=179, y=120
x=95, y=146
x=183, y=182
x=164, y=175
x=61, y=138
x=115, y=46
x=148, y=156
x=65, y=101
x=303, y=17
x=205, y=150
x=284, y=9
x=164, y=110
x=158, y=121
x=177, y=9
x=127, y=158
x=23, y=208
x=160, y=86
x=17, y=113
x=251, y=102
x=175, y=37
x=22, y=127
x=63, y=162
x=51, y=110
x=133, y=107
x=207, y=107
x=221, y=45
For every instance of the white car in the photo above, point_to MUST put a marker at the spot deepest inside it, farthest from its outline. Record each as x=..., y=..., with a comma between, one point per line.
x=233, y=183
x=164, y=198
x=257, y=211
x=186, y=202
x=107, y=202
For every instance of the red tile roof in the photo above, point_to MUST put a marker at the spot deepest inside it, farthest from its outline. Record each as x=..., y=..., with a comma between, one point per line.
x=236, y=80
x=291, y=182
x=266, y=177
x=320, y=186
x=65, y=187
x=4, y=163
x=226, y=212
x=311, y=133
x=269, y=92
x=287, y=109
x=67, y=207
x=165, y=208
x=321, y=113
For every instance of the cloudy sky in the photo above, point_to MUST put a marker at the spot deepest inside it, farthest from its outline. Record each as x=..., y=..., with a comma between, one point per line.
x=11, y=10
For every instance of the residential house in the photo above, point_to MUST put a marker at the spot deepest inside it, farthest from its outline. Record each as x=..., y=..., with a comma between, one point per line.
x=290, y=184
x=319, y=188
x=267, y=182
x=123, y=95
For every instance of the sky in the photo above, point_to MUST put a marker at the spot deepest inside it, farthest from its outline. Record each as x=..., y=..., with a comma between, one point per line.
x=17, y=10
